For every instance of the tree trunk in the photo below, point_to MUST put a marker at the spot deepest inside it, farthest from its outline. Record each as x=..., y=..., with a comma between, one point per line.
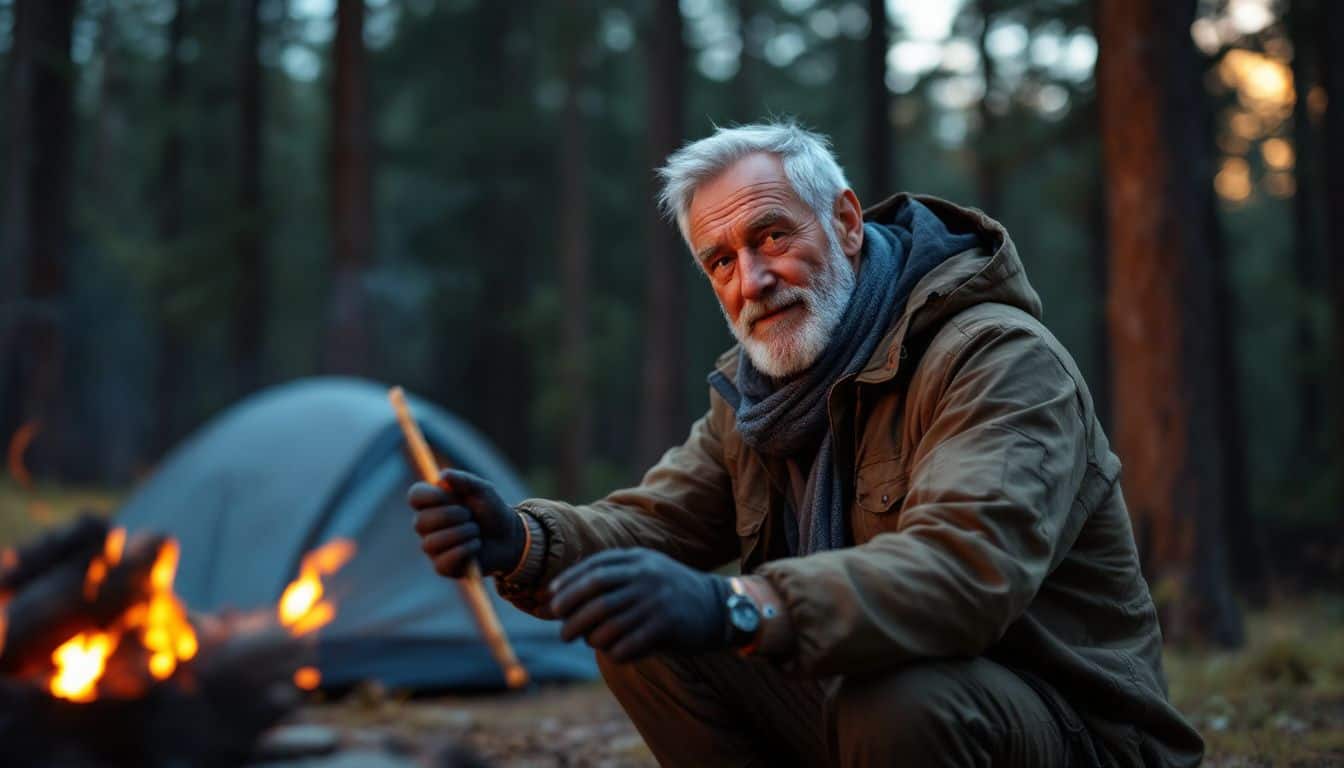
x=1302, y=25
x=662, y=416
x=877, y=106
x=1332, y=77
x=1103, y=400
x=110, y=127
x=576, y=432
x=745, y=89
x=250, y=295
x=1248, y=563
x=347, y=334
x=172, y=346
x=36, y=221
x=1161, y=310
x=988, y=157
x=499, y=381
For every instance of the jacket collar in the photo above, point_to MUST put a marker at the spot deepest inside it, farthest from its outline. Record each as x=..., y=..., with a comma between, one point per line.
x=991, y=272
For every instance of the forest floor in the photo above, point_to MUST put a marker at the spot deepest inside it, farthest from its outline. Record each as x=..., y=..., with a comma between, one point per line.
x=1279, y=701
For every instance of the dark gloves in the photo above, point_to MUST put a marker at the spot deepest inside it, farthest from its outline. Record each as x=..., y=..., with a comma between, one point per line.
x=468, y=521
x=633, y=602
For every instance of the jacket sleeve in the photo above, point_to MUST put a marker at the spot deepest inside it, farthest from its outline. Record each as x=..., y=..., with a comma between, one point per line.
x=988, y=513
x=683, y=507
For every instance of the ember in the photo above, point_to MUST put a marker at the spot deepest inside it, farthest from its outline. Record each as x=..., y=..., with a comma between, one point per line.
x=80, y=663
x=18, y=445
x=302, y=609
x=307, y=678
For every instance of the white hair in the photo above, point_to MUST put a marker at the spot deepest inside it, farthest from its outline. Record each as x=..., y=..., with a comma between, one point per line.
x=807, y=158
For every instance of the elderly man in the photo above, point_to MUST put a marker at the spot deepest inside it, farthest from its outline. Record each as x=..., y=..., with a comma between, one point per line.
x=938, y=564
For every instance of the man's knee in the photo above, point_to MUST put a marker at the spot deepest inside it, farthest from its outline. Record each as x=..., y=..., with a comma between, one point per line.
x=659, y=671
x=914, y=710
x=954, y=713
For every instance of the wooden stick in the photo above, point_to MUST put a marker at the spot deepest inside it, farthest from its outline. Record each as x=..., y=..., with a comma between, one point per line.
x=473, y=588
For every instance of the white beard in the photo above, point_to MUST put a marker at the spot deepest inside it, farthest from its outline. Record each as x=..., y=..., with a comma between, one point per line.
x=791, y=344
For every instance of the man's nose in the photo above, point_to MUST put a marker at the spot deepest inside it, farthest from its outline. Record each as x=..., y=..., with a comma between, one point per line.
x=757, y=278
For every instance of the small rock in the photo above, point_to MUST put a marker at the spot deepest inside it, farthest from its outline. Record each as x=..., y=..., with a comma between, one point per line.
x=303, y=740
x=1286, y=722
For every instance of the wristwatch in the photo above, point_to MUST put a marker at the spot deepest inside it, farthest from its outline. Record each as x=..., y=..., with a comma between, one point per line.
x=744, y=619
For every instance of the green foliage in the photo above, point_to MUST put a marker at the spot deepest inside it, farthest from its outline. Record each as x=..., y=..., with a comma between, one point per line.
x=26, y=512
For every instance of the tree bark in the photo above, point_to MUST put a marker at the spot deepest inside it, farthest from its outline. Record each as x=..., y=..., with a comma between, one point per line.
x=663, y=406
x=499, y=382
x=35, y=243
x=172, y=346
x=1162, y=312
x=1248, y=564
x=576, y=432
x=988, y=158
x=745, y=89
x=878, y=131
x=250, y=295
x=1103, y=400
x=347, y=334
x=1302, y=25
x=1332, y=78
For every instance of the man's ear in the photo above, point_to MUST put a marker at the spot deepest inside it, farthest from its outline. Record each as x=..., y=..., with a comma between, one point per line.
x=849, y=223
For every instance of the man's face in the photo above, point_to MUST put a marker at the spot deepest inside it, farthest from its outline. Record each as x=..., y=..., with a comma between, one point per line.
x=779, y=273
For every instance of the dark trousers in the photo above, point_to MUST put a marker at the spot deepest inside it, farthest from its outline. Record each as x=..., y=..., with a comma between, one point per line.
x=719, y=709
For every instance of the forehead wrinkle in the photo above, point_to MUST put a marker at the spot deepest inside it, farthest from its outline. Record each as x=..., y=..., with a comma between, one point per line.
x=772, y=193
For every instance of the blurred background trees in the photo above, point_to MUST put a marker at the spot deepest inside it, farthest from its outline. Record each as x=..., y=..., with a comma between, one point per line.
x=201, y=198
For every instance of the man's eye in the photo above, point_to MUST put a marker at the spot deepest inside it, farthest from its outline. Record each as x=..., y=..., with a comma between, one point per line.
x=719, y=262
x=774, y=237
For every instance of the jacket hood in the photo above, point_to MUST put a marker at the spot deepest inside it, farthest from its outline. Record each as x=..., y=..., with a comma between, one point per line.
x=991, y=272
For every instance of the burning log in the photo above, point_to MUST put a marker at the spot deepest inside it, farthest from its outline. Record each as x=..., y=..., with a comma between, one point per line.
x=104, y=666
x=86, y=535
x=52, y=605
x=472, y=585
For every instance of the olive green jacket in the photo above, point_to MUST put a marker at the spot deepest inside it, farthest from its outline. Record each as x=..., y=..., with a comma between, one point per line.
x=983, y=500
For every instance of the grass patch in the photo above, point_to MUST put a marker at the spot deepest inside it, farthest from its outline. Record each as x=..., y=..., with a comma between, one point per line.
x=25, y=513
x=1278, y=701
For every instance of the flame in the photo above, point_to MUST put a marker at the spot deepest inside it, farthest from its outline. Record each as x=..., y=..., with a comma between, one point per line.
x=307, y=678
x=18, y=445
x=301, y=606
x=165, y=631
x=80, y=662
x=113, y=546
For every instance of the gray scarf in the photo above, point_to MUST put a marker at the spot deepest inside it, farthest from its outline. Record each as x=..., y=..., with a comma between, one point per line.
x=786, y=418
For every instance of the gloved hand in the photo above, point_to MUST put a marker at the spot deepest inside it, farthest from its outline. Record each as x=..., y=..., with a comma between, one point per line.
x=468, y=521
x=633, y=602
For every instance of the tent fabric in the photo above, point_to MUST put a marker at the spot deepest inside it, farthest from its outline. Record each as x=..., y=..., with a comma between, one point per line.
x=298, y=465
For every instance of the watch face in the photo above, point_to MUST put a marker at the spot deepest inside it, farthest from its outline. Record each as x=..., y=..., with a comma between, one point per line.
x=743, y=614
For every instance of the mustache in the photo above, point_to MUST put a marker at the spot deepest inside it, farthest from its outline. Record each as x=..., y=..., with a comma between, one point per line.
x=782, y=297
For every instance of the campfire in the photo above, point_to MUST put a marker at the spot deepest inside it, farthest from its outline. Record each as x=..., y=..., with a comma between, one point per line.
x=100, y=660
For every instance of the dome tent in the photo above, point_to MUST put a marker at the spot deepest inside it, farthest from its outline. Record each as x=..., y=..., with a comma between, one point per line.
x=293, y=467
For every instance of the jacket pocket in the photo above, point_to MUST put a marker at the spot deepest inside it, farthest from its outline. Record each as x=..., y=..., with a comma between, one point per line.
x=751, y=502
x=881, y=486
x=879, y=491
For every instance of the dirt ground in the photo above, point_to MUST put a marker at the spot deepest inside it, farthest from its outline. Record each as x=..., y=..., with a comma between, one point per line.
x=1277, y=702
x=572, y=725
